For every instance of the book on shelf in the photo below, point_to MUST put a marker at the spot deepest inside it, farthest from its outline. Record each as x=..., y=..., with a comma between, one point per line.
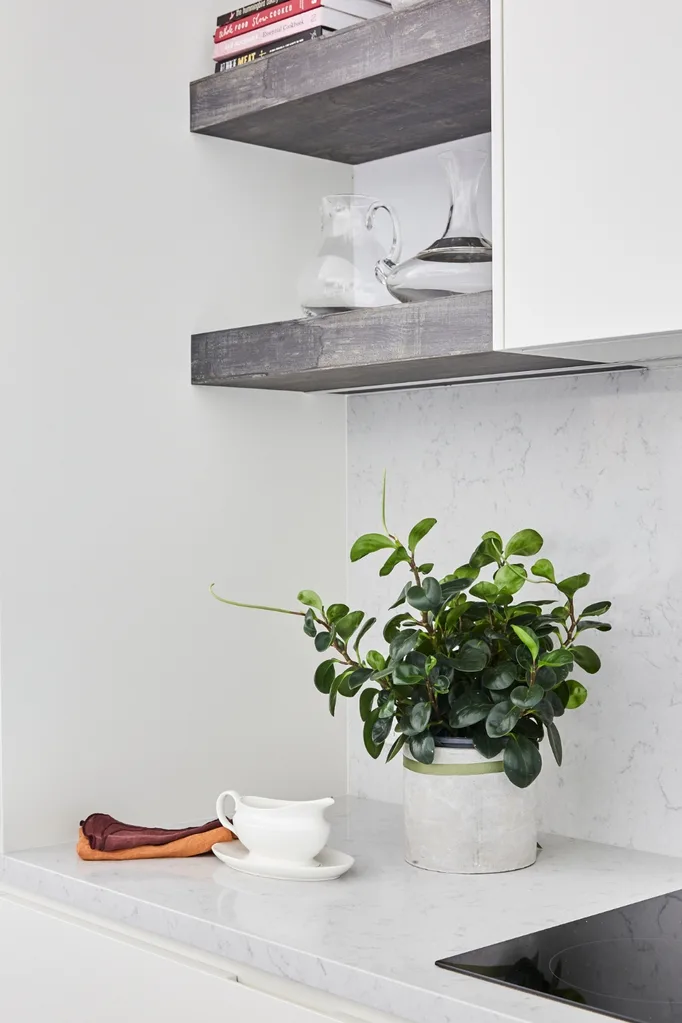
x=288, y=8
x=260, y=5
x=321, y=17
x=264, y=51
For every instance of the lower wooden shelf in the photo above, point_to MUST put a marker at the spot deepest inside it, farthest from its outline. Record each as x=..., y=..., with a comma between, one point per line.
x=444, y=340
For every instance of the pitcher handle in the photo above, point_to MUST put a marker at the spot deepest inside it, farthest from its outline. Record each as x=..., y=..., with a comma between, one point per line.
x=384, y=266
x=226, y=823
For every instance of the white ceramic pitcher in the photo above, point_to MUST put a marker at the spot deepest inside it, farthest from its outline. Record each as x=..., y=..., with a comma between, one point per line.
x=278, y=830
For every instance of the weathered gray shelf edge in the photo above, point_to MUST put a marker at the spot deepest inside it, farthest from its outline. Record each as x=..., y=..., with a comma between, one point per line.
x=445, y=339
x=391, y=84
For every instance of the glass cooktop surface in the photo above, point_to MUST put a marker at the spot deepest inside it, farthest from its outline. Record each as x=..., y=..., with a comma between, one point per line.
x=625, y=963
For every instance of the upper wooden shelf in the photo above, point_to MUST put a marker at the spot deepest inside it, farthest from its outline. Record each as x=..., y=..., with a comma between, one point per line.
x=391, y=84
x=393, y=346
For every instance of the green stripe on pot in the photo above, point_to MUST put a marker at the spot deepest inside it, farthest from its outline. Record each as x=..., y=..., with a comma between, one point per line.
x=489, y=767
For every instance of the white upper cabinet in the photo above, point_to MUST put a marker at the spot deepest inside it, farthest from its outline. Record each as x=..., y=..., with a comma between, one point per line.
x=587, y=97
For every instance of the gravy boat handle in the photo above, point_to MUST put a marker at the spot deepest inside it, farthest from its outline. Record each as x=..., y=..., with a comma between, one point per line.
x=220, y=810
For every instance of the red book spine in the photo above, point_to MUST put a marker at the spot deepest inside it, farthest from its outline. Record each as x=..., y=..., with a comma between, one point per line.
x=268, y=16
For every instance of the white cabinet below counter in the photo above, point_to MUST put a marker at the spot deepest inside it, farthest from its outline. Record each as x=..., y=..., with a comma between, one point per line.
x=586, y=98
x=59, y=966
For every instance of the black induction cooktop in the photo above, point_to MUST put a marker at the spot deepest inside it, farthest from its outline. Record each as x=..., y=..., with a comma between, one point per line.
x=625, y=963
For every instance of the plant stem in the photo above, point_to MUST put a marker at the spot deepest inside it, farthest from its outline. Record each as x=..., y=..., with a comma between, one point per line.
x=256, y=607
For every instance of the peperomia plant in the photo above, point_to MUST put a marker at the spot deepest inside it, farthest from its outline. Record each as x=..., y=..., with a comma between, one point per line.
x=463, y=658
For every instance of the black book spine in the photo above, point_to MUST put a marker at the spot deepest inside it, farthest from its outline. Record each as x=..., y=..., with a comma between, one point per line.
x=242, y=12
x=264, y=51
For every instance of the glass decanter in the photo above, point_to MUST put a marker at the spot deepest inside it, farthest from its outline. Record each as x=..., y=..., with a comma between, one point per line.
x=461, y=261
x=352, y=263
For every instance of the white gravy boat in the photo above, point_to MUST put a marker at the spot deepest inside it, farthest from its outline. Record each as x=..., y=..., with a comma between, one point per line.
x=278, y=830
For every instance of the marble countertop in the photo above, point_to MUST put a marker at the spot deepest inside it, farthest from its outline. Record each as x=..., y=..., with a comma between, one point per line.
x=372, y=936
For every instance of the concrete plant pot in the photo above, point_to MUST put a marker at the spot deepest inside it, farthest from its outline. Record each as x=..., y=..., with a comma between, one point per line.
x=464, y=816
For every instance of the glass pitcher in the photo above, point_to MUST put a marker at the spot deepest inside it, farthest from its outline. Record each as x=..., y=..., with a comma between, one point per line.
x=459, y=262
x=351, y=266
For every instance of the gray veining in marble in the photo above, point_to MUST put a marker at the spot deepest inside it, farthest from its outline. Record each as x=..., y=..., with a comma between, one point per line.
x=372, y=936
x=594, y=464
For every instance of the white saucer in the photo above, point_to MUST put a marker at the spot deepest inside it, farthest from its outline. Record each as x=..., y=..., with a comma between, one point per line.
x=331, y=864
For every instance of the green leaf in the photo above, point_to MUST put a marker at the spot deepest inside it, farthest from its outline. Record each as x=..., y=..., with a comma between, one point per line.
x=333, y=694
x=388, y=709
x=511, y=578
x=485, y=554
x=399, y=555
x=309, y=626
x=392, y=627
x=423, y=748
x=354, y=681
x=367, y=698
x=403, y=644
x=467, y=571
x=420, y=531
x=578, y=695
x=433, y=591
x=546, y=677
x=310, y=598
x=368, y=544
x=380, y=731
x=523, y=544
x=469, y=709
x=396, y=748
x=559, y=658
x=426, y=569
x=450, y=587
x=484, y=744
x=420, y=715
x=472, y=656
x=401, y=598
x=574, y=583
x=527, y=697
x=522, y=761
x=500, y=676
x=323, y=641
x=544, y=569
x=337, y=611
x=502, y=719
x=324, y=676
x=361, y=635
x=371, y=746
x=453, y=616
x=492, y=535
x=586, y=658
x=416, y=596
x=441, y=684
x=427, y=597
x=376, y=661
x=486, y=591
x=555, y=742
x=552, y=698
x=407, y=675
x=545, y=711
x=529, y=640
x=346, y=626
x=600, y=608
x=586, y=623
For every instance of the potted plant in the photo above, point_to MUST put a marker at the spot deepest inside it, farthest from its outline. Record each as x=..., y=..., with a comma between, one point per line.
x=473, y=680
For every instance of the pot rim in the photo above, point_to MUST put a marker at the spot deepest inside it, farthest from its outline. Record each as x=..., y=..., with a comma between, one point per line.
x=454, y=742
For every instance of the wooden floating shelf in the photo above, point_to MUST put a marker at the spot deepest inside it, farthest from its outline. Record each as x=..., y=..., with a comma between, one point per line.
x=449, y=339
x=389, y=85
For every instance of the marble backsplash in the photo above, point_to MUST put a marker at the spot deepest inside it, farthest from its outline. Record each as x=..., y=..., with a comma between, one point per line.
x=593, y=463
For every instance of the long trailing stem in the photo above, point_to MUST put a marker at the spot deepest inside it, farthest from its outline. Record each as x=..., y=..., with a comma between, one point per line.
x=255, y=607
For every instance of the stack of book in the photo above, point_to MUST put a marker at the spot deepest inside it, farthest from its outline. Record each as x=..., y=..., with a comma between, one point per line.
x=266, y=26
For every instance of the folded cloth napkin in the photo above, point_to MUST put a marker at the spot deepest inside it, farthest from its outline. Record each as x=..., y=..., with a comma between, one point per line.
x=101, y=837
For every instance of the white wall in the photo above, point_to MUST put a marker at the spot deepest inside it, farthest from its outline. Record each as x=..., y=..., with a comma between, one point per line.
x=125, y=492
x=593, y=464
